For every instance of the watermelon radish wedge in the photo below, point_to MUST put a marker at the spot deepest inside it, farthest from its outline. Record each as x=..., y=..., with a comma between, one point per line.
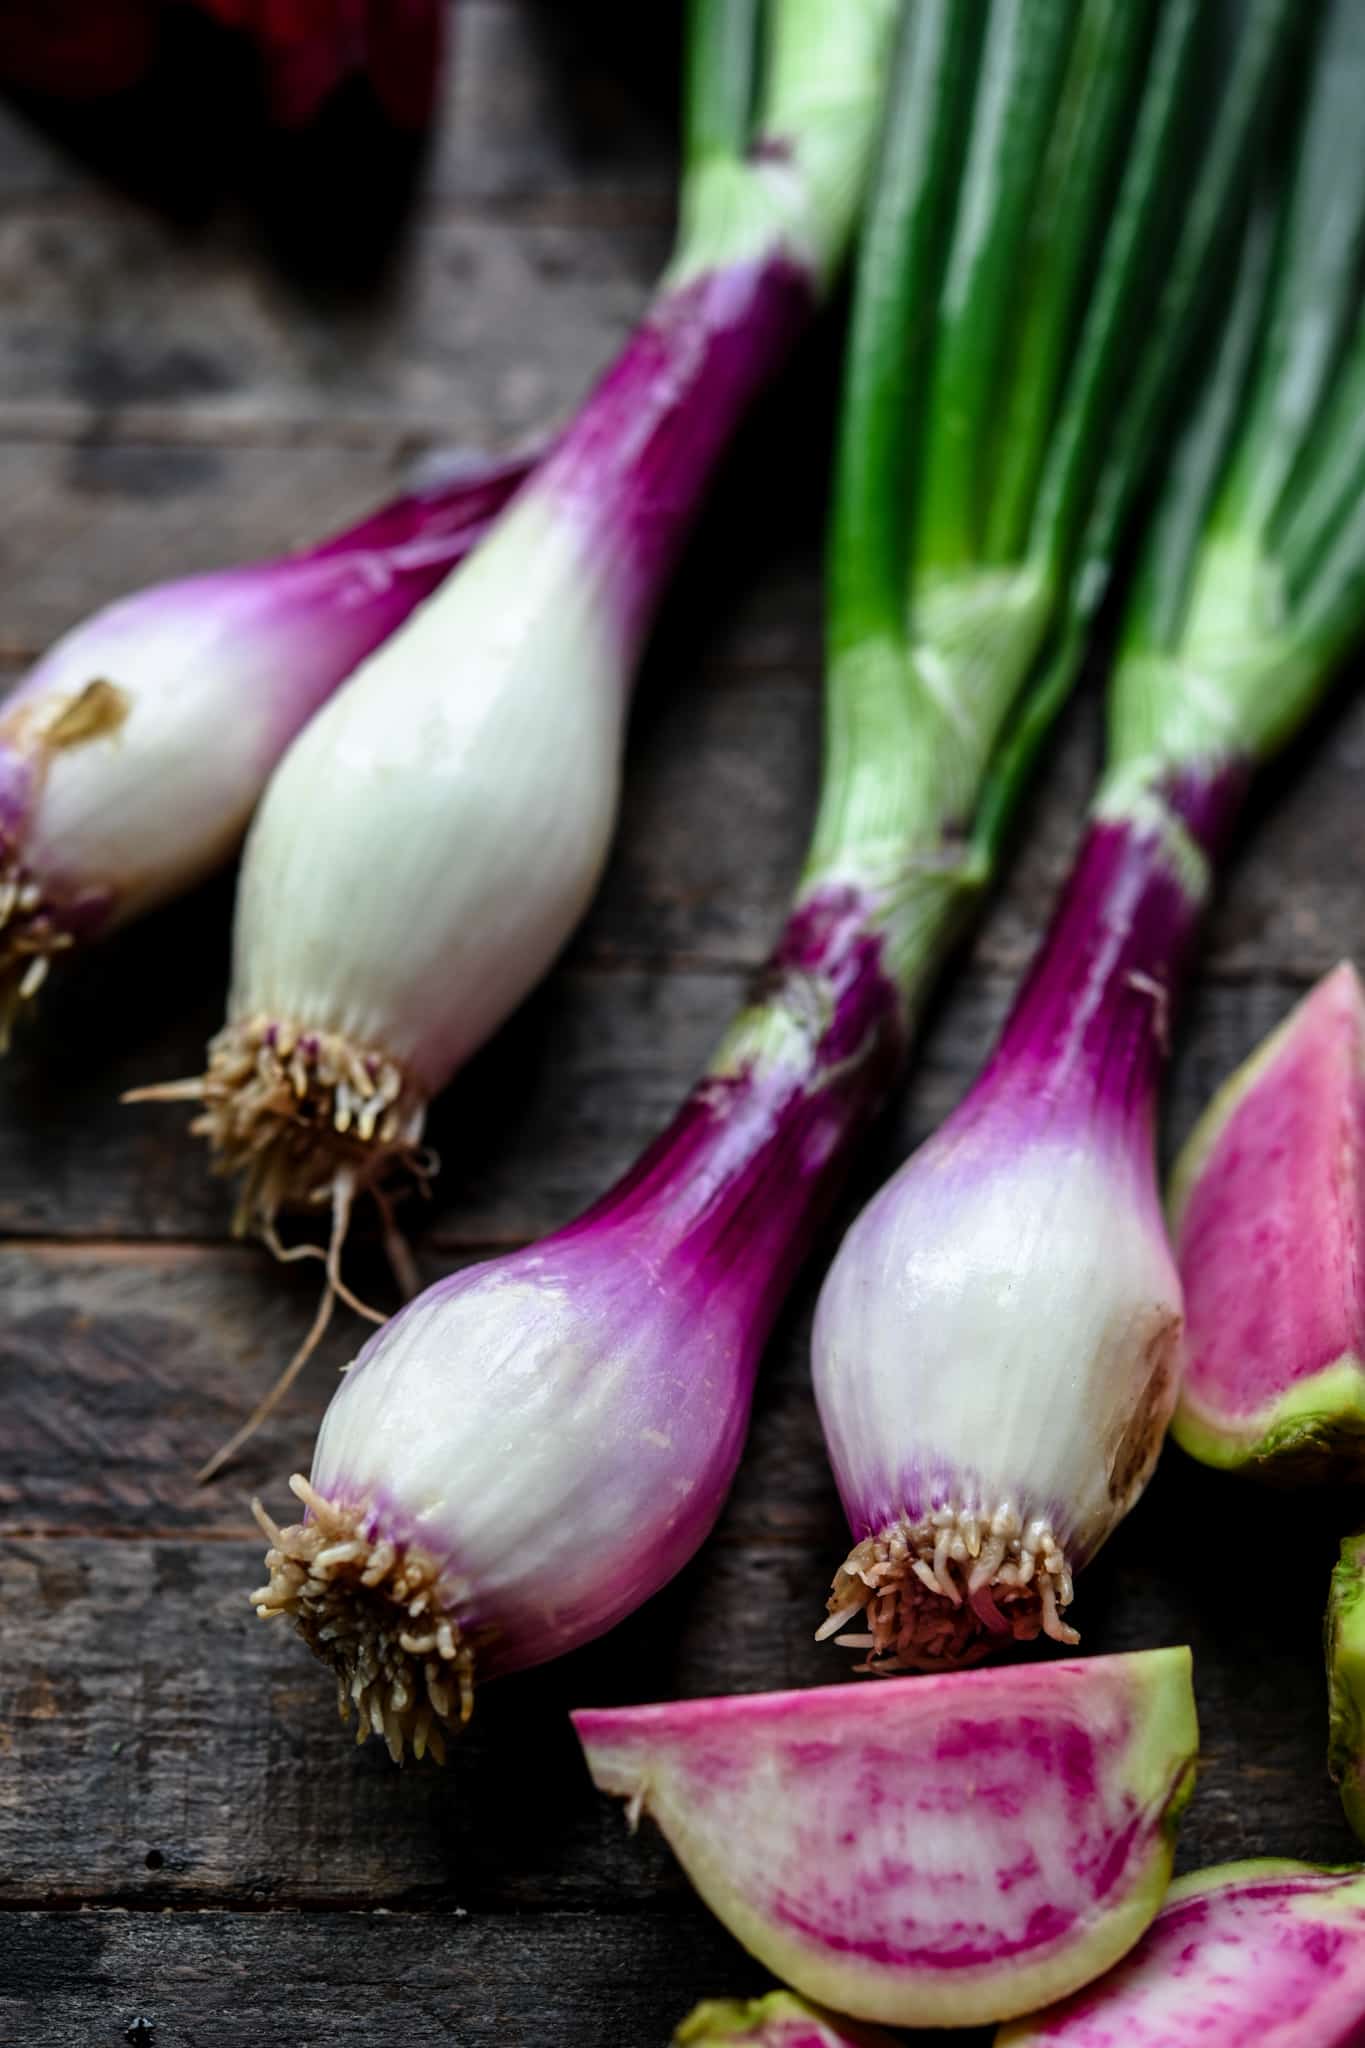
x=1346, y=1680
x=1268, y=1217
x=930, y=1851
x=777, y=2021
x=1250, y=1955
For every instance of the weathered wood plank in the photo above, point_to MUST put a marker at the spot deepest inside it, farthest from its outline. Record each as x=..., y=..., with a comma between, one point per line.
x=149, y=1714
x=123, y=1367
x=375, y=1980
x=542, y=103
x=172, y=403
x=486, y=331
x=539, y=1124
x=164, y=1747
x=723, y=754
x=105, y=517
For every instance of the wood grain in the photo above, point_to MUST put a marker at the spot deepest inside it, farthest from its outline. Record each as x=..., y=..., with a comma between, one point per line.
x=537, y=1126
x=148, y=1711
x=174, y=395
x=372, y=1980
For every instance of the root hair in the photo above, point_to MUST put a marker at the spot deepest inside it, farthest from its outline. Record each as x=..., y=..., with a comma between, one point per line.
x=376, y=1609
x=948, y=1589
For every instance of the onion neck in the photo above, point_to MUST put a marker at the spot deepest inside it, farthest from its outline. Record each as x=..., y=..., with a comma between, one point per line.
x=738, y=1184
x=768, y=203
x=1090, y=1031
x=634, y=465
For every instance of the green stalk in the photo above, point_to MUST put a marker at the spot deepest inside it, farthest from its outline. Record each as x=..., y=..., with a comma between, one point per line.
x=1156, y=609
x=871, y=714
x=1223, y=652
x=1173, y=221
x=1067, y=229
x=1322, y=243
x=815, y=88
x=986, y=445
x=722, y=65
x=1154, y=721
x=1244, y=101
x=1329, y=479
x=1328, y=617
x=900, y=261
x=1019, y=80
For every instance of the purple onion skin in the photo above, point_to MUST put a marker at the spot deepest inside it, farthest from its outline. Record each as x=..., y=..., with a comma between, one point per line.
x=564, y=1468
x=949, y=1263
x=533, y=647
x=641, y=450
x=354, y=589
x=1089, y=1031
x=739, y=1183
x=218, y=673
x=450, y=510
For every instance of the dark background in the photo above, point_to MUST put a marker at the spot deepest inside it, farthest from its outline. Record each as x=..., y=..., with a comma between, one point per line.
x=185, y=1831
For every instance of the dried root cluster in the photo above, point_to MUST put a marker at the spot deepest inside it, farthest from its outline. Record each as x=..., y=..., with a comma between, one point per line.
x=947, y=1589
x=294, y=1112
x=29, y=936
x=371, y=1609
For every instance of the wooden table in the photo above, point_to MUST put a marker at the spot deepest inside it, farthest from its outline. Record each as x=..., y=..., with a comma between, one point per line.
x=186, y=1835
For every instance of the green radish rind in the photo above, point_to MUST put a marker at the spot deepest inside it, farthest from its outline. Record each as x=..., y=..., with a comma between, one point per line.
x=943, y=1850
x=1345, y=1648
x=1316, y=1428
x=1257, y=1989
x=780, y=2020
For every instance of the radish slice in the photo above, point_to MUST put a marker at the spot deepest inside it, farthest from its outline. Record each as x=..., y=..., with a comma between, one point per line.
x=931, y=1851
x=1268, y=1213
x=1265, y=1953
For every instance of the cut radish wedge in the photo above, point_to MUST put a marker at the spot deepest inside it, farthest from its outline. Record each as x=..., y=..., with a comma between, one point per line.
x=777, y=2021
x=1268, y=1215
x=931, y=1851
x=1346, y=1680
x=1250, y=1955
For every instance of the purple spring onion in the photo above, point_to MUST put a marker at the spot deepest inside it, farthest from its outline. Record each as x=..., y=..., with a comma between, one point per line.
x=133, y=753
x=537, y=1444
x=426, y=848
x=997, y=1345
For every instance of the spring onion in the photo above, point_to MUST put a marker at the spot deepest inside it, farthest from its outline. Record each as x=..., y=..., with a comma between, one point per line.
x=428, y=844
x=133, y=753
x=996, y=1346
x=538, y=1443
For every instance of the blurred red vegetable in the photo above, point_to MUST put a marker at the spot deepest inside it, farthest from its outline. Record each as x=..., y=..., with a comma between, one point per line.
x=84, y=49
x=309, y=47
x=77, y=49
